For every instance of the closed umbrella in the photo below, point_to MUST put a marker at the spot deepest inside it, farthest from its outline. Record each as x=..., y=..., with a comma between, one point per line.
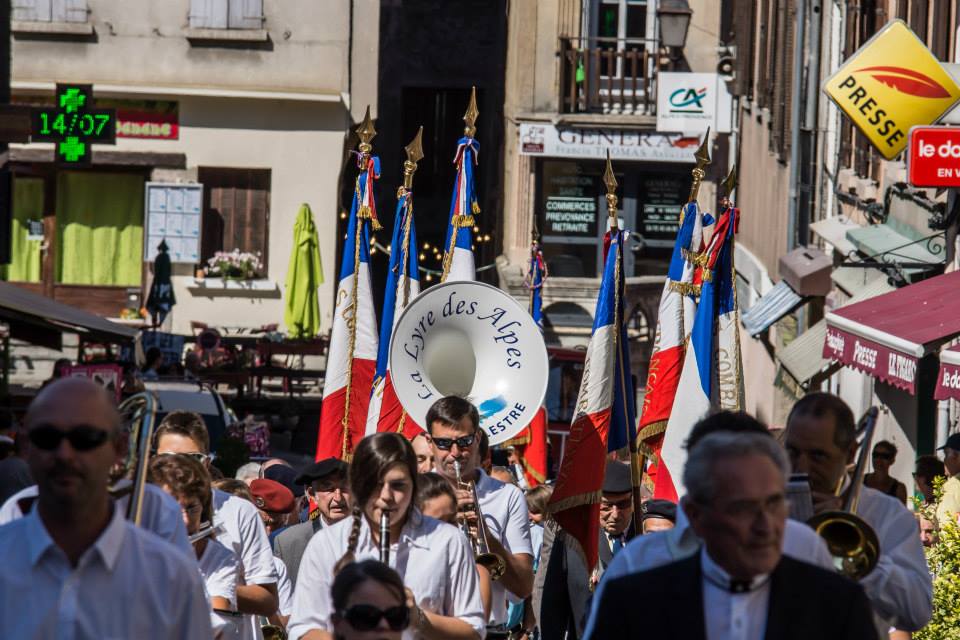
x=304, y=276
x=161, y=298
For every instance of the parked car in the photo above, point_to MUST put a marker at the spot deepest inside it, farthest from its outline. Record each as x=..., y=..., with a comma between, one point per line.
x=180, y=395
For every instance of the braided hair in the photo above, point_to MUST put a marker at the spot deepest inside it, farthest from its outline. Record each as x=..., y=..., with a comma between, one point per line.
x=372, y=459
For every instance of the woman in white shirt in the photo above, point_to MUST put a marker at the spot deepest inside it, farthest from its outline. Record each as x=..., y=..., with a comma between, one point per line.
x=433, y=558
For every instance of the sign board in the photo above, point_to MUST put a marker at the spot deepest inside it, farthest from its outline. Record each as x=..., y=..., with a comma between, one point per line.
x=109, y=376
x=566, y=216
x=934, y=157
x=885, y=99
x=693, y=102
x=547, y=140
x=662, y=196
x=73, y=124
x=173, y=213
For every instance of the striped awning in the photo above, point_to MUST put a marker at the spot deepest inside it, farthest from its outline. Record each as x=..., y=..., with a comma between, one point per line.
x=775, y=304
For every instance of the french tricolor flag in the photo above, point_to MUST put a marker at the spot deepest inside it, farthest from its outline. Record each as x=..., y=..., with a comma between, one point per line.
x=403, y=284
x=605, y=416
x=712, y=370
x=458, y=262
x=352, y=357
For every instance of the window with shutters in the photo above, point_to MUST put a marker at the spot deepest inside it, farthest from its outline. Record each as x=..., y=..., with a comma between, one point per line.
x=743, y=25
x=49, y=10
x=226, y=14
x=236, y=210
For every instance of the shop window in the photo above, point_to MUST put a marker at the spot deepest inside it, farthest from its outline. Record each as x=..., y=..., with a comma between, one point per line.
x=236, y=211
x=226, y=14
x=568, y=217
x=99, y=228
x=26, y=232
x=50, y=10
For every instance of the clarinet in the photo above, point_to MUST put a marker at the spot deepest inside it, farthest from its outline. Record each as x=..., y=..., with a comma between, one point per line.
x=385, y=537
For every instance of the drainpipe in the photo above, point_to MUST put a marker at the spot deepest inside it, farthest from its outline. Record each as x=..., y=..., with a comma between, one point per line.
x=795, y=124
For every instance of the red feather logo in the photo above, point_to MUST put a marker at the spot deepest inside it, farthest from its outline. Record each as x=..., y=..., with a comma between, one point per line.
x=907, y=81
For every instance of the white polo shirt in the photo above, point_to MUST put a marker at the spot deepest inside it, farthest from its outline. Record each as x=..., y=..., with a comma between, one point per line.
x=505, y=514
x=284, y=587
x=220, y=569
x=128, y=584
x=433, y=559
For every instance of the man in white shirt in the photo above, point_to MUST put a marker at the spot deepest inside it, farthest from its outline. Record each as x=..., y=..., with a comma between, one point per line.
x=736, y=502
x=243, y=531
x=821, y=442
x=74, y=551
x=454, y=426
x=949, y=506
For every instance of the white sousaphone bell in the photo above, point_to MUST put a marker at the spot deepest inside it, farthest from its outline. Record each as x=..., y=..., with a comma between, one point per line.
x=471, y=340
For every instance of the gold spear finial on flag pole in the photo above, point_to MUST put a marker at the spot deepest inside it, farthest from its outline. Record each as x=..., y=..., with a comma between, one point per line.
x=611, y=181
x=471, y=115
x=730, y=183
x=414, y=155
x=366, y=133
x=703, y=159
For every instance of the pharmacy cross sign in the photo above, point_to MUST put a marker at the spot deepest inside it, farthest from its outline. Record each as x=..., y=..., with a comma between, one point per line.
x=73, y=125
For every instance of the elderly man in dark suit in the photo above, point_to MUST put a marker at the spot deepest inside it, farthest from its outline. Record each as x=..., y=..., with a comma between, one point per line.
x=326, y=483
x=740, y=585
x=562, y=588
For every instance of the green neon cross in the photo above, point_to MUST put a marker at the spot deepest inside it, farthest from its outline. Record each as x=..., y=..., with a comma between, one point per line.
x=72, y=149
x=71, y=99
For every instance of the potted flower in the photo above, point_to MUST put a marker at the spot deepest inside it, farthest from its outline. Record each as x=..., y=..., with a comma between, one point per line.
x=235, y=265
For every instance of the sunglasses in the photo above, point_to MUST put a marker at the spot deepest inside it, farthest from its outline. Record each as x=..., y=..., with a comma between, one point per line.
x=447, y=443
x=365, y=617
x=196, y=455
x=882, y=455
x=80, y=437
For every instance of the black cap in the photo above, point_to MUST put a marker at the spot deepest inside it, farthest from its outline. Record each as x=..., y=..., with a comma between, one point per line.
x=286, y=476
x=660, y=509
x=617, y=478
x=953, y=442
x=319, y=470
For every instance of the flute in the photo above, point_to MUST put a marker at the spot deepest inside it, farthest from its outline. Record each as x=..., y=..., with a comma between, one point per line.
x=385, y=537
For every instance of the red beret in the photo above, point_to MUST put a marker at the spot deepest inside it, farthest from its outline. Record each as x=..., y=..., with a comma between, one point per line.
x=272, y=496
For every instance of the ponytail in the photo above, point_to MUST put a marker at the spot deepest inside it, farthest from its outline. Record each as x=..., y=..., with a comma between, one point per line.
x=352, y=542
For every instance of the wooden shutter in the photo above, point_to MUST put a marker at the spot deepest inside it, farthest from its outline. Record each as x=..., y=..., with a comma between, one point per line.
x=918, y=18
x=236, y=211
x=31, y=10
x=208, y=14
x=69, y=11
x=245, y=14
x=744, y=13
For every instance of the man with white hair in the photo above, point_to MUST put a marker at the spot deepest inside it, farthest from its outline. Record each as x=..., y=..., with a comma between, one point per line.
x=736, y=503
x=248, y=472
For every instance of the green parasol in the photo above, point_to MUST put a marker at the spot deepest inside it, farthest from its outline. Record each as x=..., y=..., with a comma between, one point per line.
x=304, y=275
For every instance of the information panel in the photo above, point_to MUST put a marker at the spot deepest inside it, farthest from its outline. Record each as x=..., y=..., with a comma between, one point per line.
x=173, y=213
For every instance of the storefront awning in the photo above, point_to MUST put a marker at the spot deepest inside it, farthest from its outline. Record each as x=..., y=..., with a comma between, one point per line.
x=803, y=358
x=890, y=242
x=834, y=230
x=852, y=280
x=32, y=317
x=948, y=380
x=887, y=335
x=774, y=304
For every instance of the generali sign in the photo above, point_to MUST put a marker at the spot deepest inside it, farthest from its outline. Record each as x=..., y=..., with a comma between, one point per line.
x=542, y=139
x=886, y=99
x=934, y=158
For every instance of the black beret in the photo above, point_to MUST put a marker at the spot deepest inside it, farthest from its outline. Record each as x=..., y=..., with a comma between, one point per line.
x=617, y=478
x=321, y=469
x=660, y=509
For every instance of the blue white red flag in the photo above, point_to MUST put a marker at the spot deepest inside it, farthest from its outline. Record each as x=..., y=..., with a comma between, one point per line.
x=605, y=413
x=712, y=371
x=352, y=357
x=403, y=284
x=458, y=262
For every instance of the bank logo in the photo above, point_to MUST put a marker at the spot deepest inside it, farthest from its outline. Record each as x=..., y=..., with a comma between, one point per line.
x=907, y=81
x=688, y=100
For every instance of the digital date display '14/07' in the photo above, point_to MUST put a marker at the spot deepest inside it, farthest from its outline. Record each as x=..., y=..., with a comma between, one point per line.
x=73, y=124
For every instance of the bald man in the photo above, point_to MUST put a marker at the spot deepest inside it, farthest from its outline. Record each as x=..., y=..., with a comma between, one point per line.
x=76, y=551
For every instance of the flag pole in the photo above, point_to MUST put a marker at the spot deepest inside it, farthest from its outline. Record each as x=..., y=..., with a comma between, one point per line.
x=729, y=186
x=465, y=217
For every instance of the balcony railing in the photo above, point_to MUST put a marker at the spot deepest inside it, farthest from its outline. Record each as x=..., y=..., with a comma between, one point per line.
x=608, y=75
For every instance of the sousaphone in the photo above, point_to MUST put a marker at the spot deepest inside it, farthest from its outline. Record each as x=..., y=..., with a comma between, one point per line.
x=471, y=340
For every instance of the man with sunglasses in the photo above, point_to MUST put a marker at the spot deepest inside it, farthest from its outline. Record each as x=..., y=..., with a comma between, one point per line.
x=454, y=425
x=184, y=432
x=74, y=551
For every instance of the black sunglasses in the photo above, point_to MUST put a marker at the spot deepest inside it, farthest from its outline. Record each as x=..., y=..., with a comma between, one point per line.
x=80, y=437
x=447, y=443
x=366, y=617
x=883, y=455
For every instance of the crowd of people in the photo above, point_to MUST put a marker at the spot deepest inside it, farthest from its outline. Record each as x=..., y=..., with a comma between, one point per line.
x=428, y=539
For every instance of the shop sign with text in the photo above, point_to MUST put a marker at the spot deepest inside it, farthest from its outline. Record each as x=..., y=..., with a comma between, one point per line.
x=934, y=158
x=547, y=140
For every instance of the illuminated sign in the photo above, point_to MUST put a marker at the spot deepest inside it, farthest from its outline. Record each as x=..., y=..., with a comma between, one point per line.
x=73, y=125
x=885, y=99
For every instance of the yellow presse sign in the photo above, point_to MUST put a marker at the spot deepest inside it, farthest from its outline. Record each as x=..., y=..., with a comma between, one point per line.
x=892, y=83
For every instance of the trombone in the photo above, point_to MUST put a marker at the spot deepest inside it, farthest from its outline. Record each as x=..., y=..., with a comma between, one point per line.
x=851, y=541
x=479, y=543
x=140, y=413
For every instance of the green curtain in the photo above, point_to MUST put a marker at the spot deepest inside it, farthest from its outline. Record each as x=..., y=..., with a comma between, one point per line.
x=25, y=254
x=99, y=228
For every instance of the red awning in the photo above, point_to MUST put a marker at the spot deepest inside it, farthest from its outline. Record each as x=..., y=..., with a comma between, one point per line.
x=948, y=380
x=886, y=336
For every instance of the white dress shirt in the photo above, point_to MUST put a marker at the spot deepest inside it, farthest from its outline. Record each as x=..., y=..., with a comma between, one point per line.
x=899, y=588
x=729, y=615
x=505, y=514
x=243, y=533
x=654, y=550
x=433, y=559
x=160, y=514
x=128, y=584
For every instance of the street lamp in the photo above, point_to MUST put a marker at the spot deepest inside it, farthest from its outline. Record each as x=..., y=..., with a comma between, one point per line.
x=674, y=17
